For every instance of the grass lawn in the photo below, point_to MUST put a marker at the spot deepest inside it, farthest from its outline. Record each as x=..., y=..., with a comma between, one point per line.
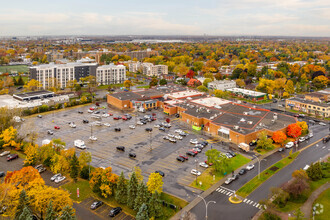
x=168, y=212
x=325, y=201
x=207, y=176
x=18, y=68
x=250, y=186
x=112, y=85
x=143, y=87
x=84, y=190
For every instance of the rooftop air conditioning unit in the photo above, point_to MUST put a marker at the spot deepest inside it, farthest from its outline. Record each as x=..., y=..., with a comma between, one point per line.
x=250, y=122
x=245, y=113
x=236, y=127
x=211, y=118
x=273, y=121
x=208, y=111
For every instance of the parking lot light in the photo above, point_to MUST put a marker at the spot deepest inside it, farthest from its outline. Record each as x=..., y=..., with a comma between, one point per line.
x=196, y=170
x=206, y=204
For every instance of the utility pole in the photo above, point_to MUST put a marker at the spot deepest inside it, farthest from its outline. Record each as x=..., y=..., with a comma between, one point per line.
x=196, y=170
x=259, y=166
x=206, y=204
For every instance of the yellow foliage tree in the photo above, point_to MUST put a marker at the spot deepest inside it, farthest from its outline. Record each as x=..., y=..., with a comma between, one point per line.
x=33, y=85
x=8, y=136
x=31, y=152
x=84, y=159
x=128, y=83
x=103, y=181
x=303, y=125
x=23, y=177
x=60, y=164
x=155, y=183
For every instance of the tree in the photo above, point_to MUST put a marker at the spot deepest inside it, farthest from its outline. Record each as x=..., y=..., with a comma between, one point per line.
x=153, y=82
x=209, y=75
x=280, y=196
x=296, y=187
x=121, y=192
x=67, y=213
x=74, y=167
x=220, y=161
x=293, y=130
x=26, y=214
x=103, y=181
x=279, y=137
x=320, y=81
x=142, y=213
x=141, y=197
x=154, y=205
x=138, y=173
x=132, y=190
x=264, y=142
x=71, y=84
x=280, y=85
x=23, y=202
x=23, y=176
x=155, y=183
x=83, y=99
x=299, y=214
x=50, y=214
x=31, y=152
x=84, y=158
x=240, y=83
x=289, y=87
x=162, y=82
x=300, y=174
x=8, y=136
x=91, y=83
x=128, y=84
x=202, y=88
x=190, y=74
x=314, y=172
x=206, y=81
x=33, y=85
x=303, y=125
x=20, y=81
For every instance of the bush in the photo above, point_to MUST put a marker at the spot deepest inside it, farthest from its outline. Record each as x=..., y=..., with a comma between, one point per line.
x=314, y=172
x=84, y=173
x=47, y=162
x=269, y=216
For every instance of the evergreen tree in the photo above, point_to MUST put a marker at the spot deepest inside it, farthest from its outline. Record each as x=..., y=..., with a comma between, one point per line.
x=74, y=165
x=143, y=213
x=132, y=190
x=67, y=214
x=26, y=214
x=14, y=81
x=121, y=192
x=154, y=205
x=50, y=214
x=142, y=196
x=20, y=81
x=22, y=203
x=315, y=172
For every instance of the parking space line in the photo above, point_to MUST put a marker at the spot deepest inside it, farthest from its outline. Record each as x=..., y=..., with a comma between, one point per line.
x=244, y=200
x=230, y=194
x=248, y=201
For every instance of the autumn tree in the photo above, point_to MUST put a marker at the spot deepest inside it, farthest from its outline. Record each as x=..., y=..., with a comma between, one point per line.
x=289, y=87
x=293, y=130
x=153, y=82
x=23, y=176
x=74, y=167
x=71, y=84
x=202, y=88
x=121, y=191
x=128, y=84
x=303, y=125
x=320, y=81
x=103, y=181
x=296, y=187
x=279, y=137
x=138, y=173
x=209, y=75
x=84, y=159
x=190, y=74
x=132, y=190
x=33, y=85
x=31, y=152
x=8, y=136
x=155, y=183
x=240, y=83
x=162, y=82
x=220, y=161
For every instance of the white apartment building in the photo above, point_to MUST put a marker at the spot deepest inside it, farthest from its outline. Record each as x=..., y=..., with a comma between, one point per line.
x=110, y=74
x=154, y=70
x=134, y=66
x=222, y=84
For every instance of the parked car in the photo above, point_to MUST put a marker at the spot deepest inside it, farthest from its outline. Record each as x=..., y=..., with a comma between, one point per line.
x=131, y=127
x=57, y=127
x=93, y=138
x=183, y=134
x=96, y=204
x=157, y=126
x=180, y=159
x=132, y=155
x=148, y=129
x=195, y=172
x=190, y=153
x=172, y=140
x=166, y=137
x=72, y=125
x=322, y=123
x=40, y=168
x=171, y=135
x=80, y=112
x=121, y=148
x=2, y=174
x=85, y=121
x=253, y=143
x=231, y=153
x=310, y=135
x=197, y=149
x=184, y=157
x=178, y=131
x=4, y=153
x=306, y=167
x=160, y=173
x=117, y=129
x=12, y=157
x=199, y=146
x=210, y=164
x=161, y=129
x=178, y=137
x=90, y=111
x=242, y=171
x=53, y=178
x=107, y=124
x=235, y=176
x=281, y=149
x=139, y=123
x=105, y=115
x=250, y=166
x=115, y=211
x=204, y=143
x=193, y=141
x=203, y=164
x=116, y=118
x=302, y=139
x=50, y=132
x=289, y=144
x=229, y=180
x=59, y=179
x=228, y=155
x=39, y=116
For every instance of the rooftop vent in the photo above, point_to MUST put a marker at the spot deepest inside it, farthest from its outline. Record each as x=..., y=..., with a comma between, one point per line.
x=245, y=113
x=236, y=127
x=250, y=122
x=242, y=120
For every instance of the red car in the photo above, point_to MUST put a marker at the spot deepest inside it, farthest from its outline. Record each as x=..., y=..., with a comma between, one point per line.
x=153, y=114
x=92, y=108
x=12, y=157
x=193, y=151
x=56, y=127
x=110, y=114
x=124, y=118
x=184, y=157
x=153, y=119
x=116, y=118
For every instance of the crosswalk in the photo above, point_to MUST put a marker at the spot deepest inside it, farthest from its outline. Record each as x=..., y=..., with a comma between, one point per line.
x=229, y=193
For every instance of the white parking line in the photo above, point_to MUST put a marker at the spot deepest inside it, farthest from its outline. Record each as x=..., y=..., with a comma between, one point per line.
x=248, y=201
x=244, y=200
x=218, y=189
x=254, y=204
x=230, y=194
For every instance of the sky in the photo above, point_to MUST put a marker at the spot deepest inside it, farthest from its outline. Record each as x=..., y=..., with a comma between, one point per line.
x=170, y=17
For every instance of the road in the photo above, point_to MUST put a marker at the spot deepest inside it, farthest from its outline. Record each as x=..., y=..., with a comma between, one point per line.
x=250, y=207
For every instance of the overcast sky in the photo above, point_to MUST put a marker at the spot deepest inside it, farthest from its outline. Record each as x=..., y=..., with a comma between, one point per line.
x=154, y=17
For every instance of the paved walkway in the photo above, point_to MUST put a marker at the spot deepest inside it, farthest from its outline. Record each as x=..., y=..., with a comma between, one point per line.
x=307, y=206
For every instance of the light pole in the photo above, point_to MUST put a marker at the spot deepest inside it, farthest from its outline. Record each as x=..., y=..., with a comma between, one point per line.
x=196, y=170
x=150, y=140
x=259, y=166
x=206, y=204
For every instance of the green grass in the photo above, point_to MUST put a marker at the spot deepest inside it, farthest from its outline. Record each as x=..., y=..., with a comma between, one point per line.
x=143, y=87
x=168, y=212
x=250, y=186
x=325, y=201
x=84, y=190
x=207, y=176
x=18, y=68
x=112, y=85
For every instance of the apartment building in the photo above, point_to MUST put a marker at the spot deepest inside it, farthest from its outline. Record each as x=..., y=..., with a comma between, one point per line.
x=222, y=84
x=309, y=107
x=154, y=70
x=110, y=74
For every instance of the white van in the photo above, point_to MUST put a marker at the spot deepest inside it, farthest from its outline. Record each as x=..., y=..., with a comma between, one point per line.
x=80, y=144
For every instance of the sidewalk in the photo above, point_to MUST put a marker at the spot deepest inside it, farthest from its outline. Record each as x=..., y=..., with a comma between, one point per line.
x=307, y=206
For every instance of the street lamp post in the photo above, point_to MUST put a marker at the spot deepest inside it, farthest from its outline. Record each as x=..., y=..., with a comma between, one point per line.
x=259, y=166
x=196, y=170
x=206, y=204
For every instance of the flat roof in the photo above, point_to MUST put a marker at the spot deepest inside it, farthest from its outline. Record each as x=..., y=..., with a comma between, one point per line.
x=126, y=95
x=33, y=94
x=211, y=101
x=184, y=94
x=246, y=92
x=308, y=102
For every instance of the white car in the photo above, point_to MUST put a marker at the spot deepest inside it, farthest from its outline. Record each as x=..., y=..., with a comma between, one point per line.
x=322, y=123
x=53, y=178
x=90, y=111
x=203, y=164
x=72, y=125
x=306, y=167
x=302, y=139
x=139, y=123
x=172, y=140
x=178, y=131
x=183, y=134
x=195, y=172
x=197, y=149
x=156, y=126
x=200, y=146
x=97, y=123
x=131, y=127
x=193, y=141
x=178, y=137
x=171, y=135
x=250, y=166
x=310, y=135
x=92, y=138
x=229, y=180
x=59, y=179
x=105, y=115
x=289, y=144
x=4, y=153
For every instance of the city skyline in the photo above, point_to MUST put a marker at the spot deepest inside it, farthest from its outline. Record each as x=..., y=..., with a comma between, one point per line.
x=236, y=17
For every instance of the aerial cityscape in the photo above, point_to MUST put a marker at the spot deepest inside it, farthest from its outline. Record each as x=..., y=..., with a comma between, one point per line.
x=181, y=110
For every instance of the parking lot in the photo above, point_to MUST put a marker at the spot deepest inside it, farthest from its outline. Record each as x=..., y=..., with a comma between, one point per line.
x=152, y=151
x=13, y=165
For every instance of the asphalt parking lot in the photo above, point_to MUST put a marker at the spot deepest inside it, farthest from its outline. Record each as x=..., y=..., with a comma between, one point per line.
x=13, y=165
x=153, y=152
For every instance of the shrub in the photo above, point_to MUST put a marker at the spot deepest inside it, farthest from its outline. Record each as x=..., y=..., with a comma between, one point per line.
x=84, y=173
x=269, y=216
x=314, y=172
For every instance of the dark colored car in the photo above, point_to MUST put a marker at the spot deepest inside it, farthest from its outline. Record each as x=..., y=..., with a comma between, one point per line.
x=180, y=159
x=231, y=153
x=96, y=204
x=253, y=143
x=50, y=132
x=115, y=211
x=161, y=129
x=149, y=129
x=2, y=174
x=242, y=171
x=121, y=148
x=274, y=101
x=12, y=157
x=132, y=155
x=160, y=173
x=281, y=149
x=235, y=176
x=177, y=115
x=204, y=143
x=85, y=121
x=117, y=129
x=97, y=112
x=190, y=153
x=80, y=112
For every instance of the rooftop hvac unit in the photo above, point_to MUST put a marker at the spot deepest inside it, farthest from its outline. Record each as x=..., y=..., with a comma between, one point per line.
x=245, y=113
x=250, y=122
x=242, y=120
x=273, y=121
x=236, y=127
x=212, y=117
x=208, y=111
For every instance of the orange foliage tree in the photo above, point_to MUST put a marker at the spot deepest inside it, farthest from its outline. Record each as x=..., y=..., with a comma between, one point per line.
x=279, y=137
x=294, y=130
x=23, y=176
x=103, y=181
